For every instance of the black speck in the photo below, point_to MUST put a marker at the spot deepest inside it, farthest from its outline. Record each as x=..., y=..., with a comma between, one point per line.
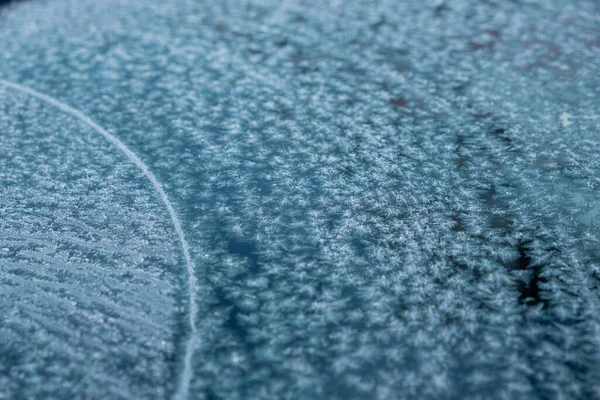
x=531, y=292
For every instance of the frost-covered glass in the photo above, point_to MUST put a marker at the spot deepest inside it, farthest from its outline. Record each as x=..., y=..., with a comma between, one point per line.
x=260, y=199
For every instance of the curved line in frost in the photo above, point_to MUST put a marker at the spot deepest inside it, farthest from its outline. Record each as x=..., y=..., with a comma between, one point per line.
x=186, y=376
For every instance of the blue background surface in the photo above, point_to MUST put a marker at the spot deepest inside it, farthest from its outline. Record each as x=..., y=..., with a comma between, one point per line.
x=382, y=200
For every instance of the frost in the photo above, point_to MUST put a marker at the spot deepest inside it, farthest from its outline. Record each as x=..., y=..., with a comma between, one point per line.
x=87, y=277
x=381, y=200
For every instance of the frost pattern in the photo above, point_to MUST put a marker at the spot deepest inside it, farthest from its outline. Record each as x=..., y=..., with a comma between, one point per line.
x=183, y=387
x=383, y=199
x=86, y=264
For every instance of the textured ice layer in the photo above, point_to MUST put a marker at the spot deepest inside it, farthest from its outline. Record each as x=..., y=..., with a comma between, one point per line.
x=88, y=265
x=392, y=199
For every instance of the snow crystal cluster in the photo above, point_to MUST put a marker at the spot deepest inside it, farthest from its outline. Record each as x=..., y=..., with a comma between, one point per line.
x=383, y=199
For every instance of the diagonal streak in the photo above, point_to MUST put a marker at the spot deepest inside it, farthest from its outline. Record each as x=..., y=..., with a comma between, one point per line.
x=186, y=376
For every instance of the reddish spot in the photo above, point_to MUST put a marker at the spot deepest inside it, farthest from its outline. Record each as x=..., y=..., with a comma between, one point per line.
x=494, y=33
x=399, y=102
x=475, y=46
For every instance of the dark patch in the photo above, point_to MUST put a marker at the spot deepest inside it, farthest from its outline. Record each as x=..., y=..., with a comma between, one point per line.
x=222, y=300
x=524, y=260
x=402, y=66
x=211, y=395
x=282, y=43
x=298, y=18
x=7, y=2
x=12, y=354
x=485, y=115
x=493, y=32
x=286, y=113
x=462, y=88
x=348, y=171
x=109, y=43
x=499, y=222
x=247, y=250
x=441, y=9
x=490, y=198
x=501, y=134
x=400, y=311
x=359, y=246
x=399, y=102
x=458, y=224
x=378, y=24
x=458, y=265
x=530, y=293
x=232, y=323
x=297, y=57
x=462, y=161
x=593, y=43
x=401, y=216
x=254, y=50
x=474, y=46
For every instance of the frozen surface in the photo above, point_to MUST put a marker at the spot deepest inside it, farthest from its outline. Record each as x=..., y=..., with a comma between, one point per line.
x=88, y=267
x=393, y=199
